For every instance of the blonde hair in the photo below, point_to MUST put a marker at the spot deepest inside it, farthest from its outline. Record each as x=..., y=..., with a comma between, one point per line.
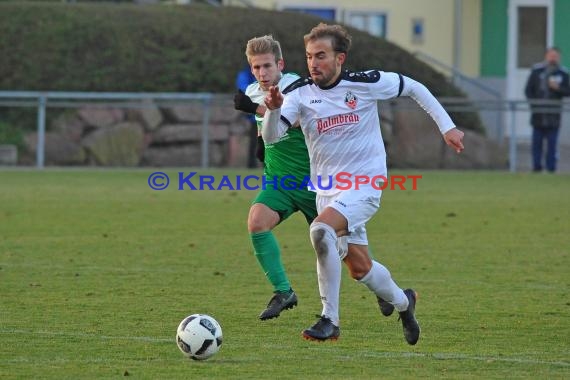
x=339, y=37
x=263, y=45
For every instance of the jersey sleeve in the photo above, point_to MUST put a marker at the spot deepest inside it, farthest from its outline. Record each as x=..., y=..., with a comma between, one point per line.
x=291, y=108
x=251, y=89
x=392, y=85
x=425, y=99
x=286, y=80
x=388, y=86
x=277, y=122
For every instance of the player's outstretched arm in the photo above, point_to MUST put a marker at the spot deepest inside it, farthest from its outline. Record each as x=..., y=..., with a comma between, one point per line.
x=274, y=99
x=272, y=128
x=417, y=91
x=454, y=138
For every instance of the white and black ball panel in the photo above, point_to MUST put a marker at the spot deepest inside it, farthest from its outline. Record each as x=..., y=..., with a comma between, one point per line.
x=187, y=320
x=199, y=336
x=182, y=345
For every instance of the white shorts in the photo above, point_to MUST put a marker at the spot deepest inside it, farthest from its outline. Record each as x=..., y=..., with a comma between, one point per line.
x=357, y=206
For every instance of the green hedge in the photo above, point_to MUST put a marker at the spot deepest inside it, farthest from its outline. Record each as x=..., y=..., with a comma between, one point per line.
x=166, y=48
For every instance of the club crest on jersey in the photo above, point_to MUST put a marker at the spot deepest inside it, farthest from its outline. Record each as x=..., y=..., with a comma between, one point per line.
x=350, y=100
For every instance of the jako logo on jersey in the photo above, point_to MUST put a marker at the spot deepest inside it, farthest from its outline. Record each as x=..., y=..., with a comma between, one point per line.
x=313, y=101
x=331, y=122
x=350, y=100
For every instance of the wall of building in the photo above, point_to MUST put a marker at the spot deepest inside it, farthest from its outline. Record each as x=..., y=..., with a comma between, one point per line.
x=494, y=28
x=562, y=29
x=470, y=48
x=438, y=24
x=562, y=40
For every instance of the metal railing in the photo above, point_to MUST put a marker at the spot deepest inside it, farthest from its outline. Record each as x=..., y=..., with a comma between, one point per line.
x=508, y=110
x=55, y=99
x=460, y=80
x=455, y=73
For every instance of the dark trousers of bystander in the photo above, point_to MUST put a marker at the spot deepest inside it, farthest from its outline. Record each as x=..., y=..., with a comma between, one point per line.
x=551, y=137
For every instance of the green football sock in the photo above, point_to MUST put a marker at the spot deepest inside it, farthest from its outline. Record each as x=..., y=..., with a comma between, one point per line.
x=268, y=255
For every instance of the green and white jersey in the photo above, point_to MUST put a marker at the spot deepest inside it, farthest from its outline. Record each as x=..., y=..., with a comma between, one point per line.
x=289, y=155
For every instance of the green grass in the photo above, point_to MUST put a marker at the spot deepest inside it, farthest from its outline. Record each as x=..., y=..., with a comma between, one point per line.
x=97, y=270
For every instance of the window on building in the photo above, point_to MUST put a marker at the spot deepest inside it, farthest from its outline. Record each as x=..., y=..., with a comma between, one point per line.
x=531, y=35
x=373, y=23
x=418, y=30
x=326, y=13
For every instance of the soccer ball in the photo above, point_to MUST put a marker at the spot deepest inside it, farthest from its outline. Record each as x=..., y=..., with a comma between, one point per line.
x=199, y=336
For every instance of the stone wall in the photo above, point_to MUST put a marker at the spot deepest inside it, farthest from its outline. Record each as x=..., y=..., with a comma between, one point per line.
x=413, y=141
x=171, y=136
x=8, y=155
x=144, y=136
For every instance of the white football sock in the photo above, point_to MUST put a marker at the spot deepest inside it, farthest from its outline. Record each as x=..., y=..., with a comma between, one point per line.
x=323, y=238
x=342, y=246
x=380, y=282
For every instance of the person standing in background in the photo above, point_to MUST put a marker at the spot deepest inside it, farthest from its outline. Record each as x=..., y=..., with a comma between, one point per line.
x=548, y=80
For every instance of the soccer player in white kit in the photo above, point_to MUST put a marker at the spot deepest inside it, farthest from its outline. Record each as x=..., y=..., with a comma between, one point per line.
x=338, y=114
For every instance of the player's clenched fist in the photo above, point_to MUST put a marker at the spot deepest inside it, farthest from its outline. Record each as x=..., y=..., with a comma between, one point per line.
x=274, y=98
x=454, y=138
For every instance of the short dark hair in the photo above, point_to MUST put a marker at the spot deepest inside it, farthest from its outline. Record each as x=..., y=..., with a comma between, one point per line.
x=339, y=37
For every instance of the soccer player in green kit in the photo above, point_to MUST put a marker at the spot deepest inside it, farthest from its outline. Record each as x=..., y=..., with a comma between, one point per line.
x=286, y=157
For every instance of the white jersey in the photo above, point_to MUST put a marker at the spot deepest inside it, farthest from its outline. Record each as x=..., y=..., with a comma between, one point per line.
x=257, y=94
x=341, y=123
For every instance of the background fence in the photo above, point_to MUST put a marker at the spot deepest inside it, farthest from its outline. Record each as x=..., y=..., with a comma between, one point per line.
x=192, y=122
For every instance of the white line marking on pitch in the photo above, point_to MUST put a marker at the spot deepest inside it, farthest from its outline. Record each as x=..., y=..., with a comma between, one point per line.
x=457, y=356
x=85, y=335
x=435, y=355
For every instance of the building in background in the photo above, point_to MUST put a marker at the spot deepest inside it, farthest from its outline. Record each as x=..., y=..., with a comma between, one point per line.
x=486, y=46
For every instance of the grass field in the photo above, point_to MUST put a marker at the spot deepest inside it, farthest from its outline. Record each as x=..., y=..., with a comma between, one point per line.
x=97, y=270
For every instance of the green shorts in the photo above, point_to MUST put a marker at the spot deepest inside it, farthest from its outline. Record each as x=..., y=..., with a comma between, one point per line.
x=286, y=202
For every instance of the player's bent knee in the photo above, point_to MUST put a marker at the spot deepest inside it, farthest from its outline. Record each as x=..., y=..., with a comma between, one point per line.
x=261, y=219
x=321, y=235
x=256, y=226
